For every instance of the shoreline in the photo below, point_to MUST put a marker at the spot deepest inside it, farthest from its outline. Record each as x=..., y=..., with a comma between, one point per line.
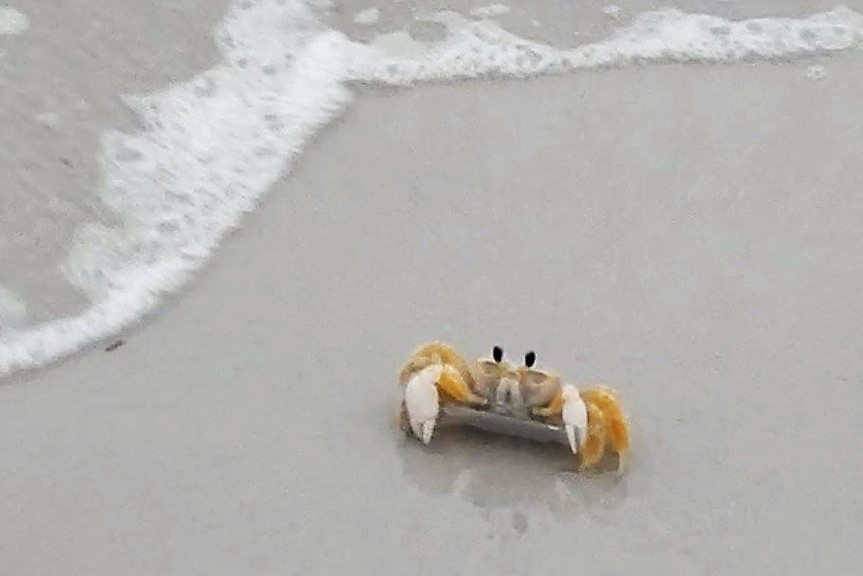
x=192, y=242
x=685, y=234
x=170, y=298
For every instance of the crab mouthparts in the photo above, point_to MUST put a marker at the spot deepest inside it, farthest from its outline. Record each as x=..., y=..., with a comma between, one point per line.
x=508, y=399
x=509, y=393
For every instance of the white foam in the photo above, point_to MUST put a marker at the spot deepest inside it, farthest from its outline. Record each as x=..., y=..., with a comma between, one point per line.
x=490, y=11
x=215, y=144
x=12, y=21
x=816, y=72
x=612, y=11
x=476, y=49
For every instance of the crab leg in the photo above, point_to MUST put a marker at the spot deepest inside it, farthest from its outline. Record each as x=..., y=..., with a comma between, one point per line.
x=593, y=448
x=452, y=384
x=554, y=408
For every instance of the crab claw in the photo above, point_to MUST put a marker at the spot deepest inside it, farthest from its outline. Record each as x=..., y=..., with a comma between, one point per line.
x=421, y=402
x=574, y=417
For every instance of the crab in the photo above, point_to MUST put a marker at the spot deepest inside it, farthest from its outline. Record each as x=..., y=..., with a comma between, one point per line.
x=437, y=376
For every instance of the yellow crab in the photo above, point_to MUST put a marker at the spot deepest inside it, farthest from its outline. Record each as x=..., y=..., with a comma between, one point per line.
x=436, y=375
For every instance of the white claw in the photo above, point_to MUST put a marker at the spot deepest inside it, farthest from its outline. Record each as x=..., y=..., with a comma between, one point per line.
x=428, y=430
x=574, y=417
x=421, y=402
x=570, y=435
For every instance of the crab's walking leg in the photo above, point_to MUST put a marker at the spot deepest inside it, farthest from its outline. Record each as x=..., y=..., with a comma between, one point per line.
x=621, y=462
x=554, y=408
x=605, y=399
x=597, y=434
x=452, y=383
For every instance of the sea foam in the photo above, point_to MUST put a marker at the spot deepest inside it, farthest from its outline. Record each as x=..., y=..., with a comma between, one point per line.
x=12, y=21
x=477, y=49
x=215, y=144
x=212, y=146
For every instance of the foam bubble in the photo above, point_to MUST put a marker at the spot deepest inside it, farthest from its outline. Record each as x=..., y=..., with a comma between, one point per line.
x=612, y=11
x=483, y=49
x=490, y=11
x=213, y=145
x=816, y=72
x=12, y=21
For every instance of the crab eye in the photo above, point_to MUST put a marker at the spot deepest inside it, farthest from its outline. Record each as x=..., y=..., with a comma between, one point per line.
x=530, y=359
x=497, y=353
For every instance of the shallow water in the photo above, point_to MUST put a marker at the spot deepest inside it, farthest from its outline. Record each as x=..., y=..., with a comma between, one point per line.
x=90, y=251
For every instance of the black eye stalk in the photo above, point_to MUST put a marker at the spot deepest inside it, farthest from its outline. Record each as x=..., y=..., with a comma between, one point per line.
x=497, y=353
x=530, y=359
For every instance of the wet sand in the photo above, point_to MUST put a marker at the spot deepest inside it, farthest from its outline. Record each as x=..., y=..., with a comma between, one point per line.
x=688, y=235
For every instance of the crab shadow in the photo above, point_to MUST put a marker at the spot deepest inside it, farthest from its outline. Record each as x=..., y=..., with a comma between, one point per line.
x=496, y=472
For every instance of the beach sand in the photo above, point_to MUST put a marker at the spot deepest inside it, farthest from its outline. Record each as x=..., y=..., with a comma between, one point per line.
x=687, y=234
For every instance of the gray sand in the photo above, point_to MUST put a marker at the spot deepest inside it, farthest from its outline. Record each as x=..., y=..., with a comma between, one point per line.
x=689, y=235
